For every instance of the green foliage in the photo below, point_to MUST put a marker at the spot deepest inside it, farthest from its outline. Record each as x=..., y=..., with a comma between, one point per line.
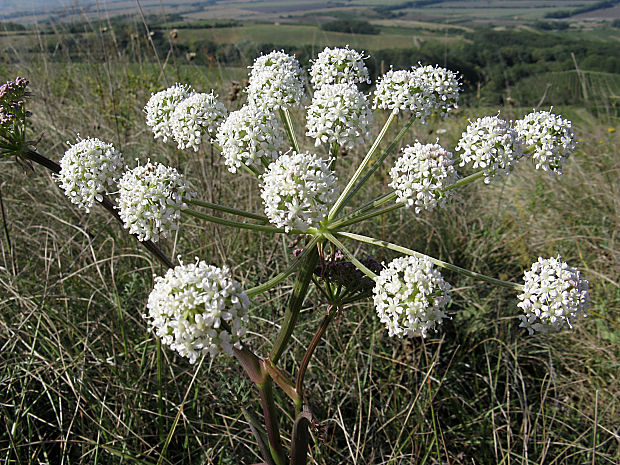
x=351, y=26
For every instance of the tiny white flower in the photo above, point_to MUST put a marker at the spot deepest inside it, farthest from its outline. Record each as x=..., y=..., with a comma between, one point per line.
x=188, y=305
x=196, y=118
x=443, y=86
x=409, y=296
x=492, y=144
x=548, y=138
x=88, y=169
x=554, y=295
x=160, y=106
x=151, y=199
x=420, y=175
x=338, y=65
x=276, y=82
x=403, y=90
x=250, y=136
x=298, y=190
x=339, y=113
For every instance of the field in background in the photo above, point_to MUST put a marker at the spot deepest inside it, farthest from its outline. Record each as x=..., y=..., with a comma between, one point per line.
x=82, y=380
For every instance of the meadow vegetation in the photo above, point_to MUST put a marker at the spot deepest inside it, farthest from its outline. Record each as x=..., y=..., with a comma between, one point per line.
x=82, y=380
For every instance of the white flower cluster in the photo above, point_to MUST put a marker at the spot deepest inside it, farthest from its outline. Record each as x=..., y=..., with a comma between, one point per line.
x=276, y=82
x=403, y=90
x=554, y=295
x=297, y=190
x=339, y=113
x=151, y=199
x=87, y=169
x=443, y=86
x=160, y=107
x=409, y=296
x=550, y=139
x=338, y=65
x=188, y=305
x=197, y=116
x=420, y=175
x=492, y=144
x=250, y=136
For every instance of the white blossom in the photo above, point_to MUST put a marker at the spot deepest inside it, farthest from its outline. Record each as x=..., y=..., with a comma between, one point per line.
x=553, y=295
x=195, y=119
x=548, y=138
x=160, y=106
x=339, y=113
x=443, y=87
x=151, y=199
x=403, y=90
x=492, y=144
x=420, y=175
x=409, y=296
x=298, y=190
x=338, y=65
x=250, y=136
x=276, y=82
x=87, y=169
x=188, y=306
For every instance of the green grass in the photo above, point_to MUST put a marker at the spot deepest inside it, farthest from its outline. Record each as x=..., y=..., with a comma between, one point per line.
x=80, y=380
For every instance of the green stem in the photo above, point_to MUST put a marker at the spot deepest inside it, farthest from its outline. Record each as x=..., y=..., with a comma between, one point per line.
x=462, y=182
x=374, y=203
x=285, y=116
x=448, y=266
x=285, y=274
x=330, y=237
x=300, y=289
x=233, y=224
x=222, y=208
x=344, y=196
x=372, y=214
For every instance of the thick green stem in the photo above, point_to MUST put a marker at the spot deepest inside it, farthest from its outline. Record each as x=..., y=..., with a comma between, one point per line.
x=222, y=208
x=285, y=116
x=374, y=203
x=232, y=224
x=462, y=182
x=286, y=273
x=448, y=266
x=300, y=289
x=344, y=196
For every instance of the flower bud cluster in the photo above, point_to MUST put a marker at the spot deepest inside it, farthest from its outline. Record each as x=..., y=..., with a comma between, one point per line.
x=250, y=136
x=276, y=82
x=151, y=200
x=443, y=86
x=339, y=113
x=549, y=138
x=401, y=91
x=421, y=174
x=188, y=306
x=338, y=65
x=297, y=190
x=12, y=100
x=160, y=107
x=88, y=169
x=196, y=118
x=492, y=144
x=553, y=295
x=409, y=296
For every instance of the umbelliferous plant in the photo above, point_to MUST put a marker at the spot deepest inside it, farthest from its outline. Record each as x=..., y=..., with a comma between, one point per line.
x=200, y=309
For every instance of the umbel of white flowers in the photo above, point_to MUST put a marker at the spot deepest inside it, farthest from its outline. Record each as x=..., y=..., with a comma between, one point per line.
x=299, y=188
x=89, y=169
x=191, y=304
